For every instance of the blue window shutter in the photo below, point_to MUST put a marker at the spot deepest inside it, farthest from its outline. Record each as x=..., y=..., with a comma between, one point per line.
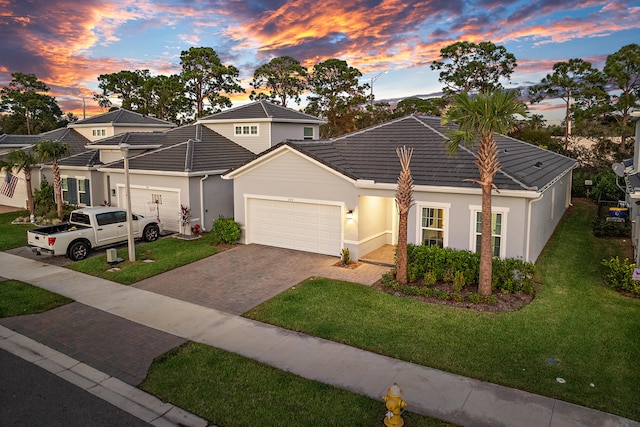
x=73, y=191
x=87, y=190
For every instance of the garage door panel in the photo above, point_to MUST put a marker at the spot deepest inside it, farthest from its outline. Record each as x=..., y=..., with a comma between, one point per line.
x=302, y=226
x=168, y=210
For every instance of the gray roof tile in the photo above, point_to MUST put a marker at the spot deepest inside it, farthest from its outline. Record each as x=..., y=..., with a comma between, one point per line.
x=370, y=155
x=262, y=110
x=122, y=117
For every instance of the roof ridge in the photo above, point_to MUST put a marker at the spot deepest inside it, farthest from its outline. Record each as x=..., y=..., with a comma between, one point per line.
x=188, y=155
x=266, y=113
x=415, y=116
x=358, y=132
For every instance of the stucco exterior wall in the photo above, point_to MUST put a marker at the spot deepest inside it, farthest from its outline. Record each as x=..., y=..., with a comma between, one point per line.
x=294, y=131
x=376, y=225
x=19, y=199
x=218, y=199
x=254, y=143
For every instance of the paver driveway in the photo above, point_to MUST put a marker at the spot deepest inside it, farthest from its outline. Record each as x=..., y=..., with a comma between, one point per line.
x=244, y=276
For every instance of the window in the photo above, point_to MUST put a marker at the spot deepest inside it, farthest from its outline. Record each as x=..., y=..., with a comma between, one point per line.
x=99, y=132
x=433, y=227
x=248, y=129
x=308, y=133
x=76, y=191
x=496, y=232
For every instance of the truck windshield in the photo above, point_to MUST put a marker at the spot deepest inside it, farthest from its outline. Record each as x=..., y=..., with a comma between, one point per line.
x=80, y=218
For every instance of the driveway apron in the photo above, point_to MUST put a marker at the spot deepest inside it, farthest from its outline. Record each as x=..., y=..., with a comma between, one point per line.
x=238, y=279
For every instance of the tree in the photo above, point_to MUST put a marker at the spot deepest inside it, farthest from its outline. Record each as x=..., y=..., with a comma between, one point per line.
x=479, y=118
x=165, y=98
x=470, y=67
x=569, y=80
x=206, y=78
x=430, y=106
x=622, y=71
x=53, y=151
x=30, y=110
x=284, y=77
x=127, y=85
x=21, y=161
x=336, y=95
x=404, y=201
x=380, y=112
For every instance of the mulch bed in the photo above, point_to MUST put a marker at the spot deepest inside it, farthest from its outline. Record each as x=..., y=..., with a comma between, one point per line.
x=505, y=302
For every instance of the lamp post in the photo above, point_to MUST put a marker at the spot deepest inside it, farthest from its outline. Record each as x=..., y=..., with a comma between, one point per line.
x=124, y=148
x=373, y=79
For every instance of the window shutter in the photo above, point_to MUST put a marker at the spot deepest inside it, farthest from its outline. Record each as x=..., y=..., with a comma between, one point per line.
x=87, y=190
x=72, y=194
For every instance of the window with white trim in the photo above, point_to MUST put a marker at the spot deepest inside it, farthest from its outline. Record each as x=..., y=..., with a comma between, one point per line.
x=99, y=132
x=432, y=226
x=497, y=232
x=246, y=130
x=308, y=133
x=76, y=191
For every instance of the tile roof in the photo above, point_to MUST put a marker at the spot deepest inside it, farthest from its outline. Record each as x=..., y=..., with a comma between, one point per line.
x=71, y=137
x=167, y=137
x=262, y=110
x=370, y=155
x=89, y=159
x=122, y=117
x=199, y=150
x=7, y=140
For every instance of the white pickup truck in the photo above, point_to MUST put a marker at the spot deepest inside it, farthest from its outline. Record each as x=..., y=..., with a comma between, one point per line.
x=90, y=228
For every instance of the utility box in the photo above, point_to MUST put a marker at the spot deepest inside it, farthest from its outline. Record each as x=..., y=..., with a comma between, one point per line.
x=112, y=255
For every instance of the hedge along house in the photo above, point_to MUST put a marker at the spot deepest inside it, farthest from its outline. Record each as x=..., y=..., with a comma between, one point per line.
x=325, y=196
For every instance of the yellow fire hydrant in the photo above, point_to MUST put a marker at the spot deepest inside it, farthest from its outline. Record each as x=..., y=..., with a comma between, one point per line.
x=394, y=404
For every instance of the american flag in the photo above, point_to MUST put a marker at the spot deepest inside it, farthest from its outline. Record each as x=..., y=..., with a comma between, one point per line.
x=9, y=185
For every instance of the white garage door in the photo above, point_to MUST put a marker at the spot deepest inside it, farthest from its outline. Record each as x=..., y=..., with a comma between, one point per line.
x=302, y=226
x=169, y=208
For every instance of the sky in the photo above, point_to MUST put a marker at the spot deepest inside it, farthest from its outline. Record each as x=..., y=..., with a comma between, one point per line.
x=68, y=44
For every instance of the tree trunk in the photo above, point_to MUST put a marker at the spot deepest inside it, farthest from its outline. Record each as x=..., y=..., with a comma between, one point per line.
x=57, y=188
x=401, y=251
x=27, y=178
x=486, y=249
x=567, y=122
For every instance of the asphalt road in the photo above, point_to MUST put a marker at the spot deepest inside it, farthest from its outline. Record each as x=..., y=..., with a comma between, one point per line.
x=32, y=396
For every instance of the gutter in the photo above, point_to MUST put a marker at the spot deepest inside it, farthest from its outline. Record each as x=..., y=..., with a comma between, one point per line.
x=202, y=202
x=372, y=185
x=530, y=203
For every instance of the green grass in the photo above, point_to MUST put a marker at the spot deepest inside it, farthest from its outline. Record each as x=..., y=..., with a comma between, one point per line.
x=592, y=330
x=230, y=390
x=18, y=298
x=167, y=254
x=13, y=235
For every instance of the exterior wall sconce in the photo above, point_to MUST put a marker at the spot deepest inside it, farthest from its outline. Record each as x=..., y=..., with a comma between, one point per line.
x=349, y=214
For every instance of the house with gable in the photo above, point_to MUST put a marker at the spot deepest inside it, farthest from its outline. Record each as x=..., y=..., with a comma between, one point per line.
x=182, y=166
x=324, y=196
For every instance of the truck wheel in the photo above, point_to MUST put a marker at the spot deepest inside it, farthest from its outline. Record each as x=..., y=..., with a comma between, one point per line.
x=78, y=251
x=151, y=233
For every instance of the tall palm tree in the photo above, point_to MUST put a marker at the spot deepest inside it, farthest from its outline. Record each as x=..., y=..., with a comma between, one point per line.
x=479, y=117
x=53, y=151
x=404, y=201
x=22, y=161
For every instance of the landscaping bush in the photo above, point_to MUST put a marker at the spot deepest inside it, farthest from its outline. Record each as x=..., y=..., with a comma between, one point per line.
x=604, y=228
x=226, y=230
x=512, y=275
x=618, y=274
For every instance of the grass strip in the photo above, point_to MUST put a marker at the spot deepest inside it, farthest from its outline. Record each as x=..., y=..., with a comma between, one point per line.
x=232, y=391
x=13, y=235
x=576, y=328
x=19, y=298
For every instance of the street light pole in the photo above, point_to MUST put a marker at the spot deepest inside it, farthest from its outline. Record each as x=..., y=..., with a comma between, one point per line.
x=373, y=79
x=124, y=148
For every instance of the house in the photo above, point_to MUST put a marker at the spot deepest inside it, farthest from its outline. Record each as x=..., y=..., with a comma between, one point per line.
x=170, y=166
x=323, y=196
x=630, y=171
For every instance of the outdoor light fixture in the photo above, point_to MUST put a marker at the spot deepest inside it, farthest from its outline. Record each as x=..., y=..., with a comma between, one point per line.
x=349, y=214
x=373, y=79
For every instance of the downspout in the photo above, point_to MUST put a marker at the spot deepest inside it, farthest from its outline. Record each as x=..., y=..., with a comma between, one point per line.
x=527, y=250
x=202, y=221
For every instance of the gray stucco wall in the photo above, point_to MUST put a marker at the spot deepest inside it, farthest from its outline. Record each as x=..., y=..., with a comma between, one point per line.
x=218, y=199
x=295, y=131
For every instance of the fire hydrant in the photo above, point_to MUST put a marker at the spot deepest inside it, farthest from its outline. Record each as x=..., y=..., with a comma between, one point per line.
x=394, y=404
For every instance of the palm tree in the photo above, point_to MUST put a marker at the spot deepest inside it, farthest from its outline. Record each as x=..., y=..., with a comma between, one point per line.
x=53, y=151
x=404, y=201
x=479, y=118
x=22, y=161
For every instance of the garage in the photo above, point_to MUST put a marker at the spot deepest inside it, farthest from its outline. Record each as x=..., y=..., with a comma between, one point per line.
x=310, y=227
x=166, y=202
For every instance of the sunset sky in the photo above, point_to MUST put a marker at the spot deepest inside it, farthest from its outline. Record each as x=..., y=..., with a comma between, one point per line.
x=67, y=44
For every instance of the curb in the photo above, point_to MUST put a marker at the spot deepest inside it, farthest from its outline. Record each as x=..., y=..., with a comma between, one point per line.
x=118, y=393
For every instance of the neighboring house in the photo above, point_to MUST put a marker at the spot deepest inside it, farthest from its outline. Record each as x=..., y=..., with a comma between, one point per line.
x=182, y=166
x=631, y=174
x=324, y=196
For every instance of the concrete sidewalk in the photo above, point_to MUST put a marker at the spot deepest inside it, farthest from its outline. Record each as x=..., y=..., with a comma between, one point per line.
x=450, y=397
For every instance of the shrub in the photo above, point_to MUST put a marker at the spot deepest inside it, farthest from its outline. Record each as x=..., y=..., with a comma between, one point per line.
x=345, y=256
x=458, y=281
x=429, y=278
x=604, y=228
x=44, y=199
x=619, y=275
x=474, y=297
x=226, y=230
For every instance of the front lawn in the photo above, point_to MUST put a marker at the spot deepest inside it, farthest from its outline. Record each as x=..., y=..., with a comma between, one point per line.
x=576, y=328
x=165, y=254
x=18, y=298
x=13, y=235
x=230, y=390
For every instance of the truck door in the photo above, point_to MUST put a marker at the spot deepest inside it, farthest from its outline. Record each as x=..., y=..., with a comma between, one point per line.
x=121, y=218
x=108, y=228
